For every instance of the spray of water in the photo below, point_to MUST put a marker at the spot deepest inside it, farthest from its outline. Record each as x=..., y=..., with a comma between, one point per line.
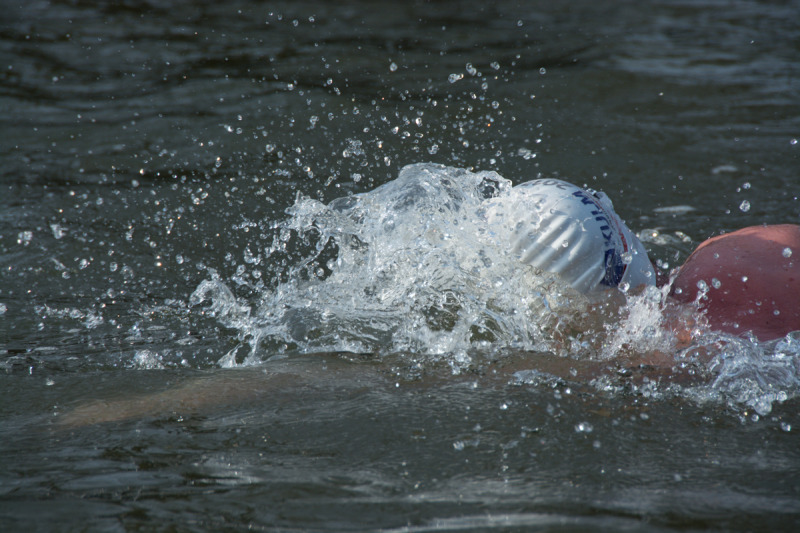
x=411, y=266
x=416, y=267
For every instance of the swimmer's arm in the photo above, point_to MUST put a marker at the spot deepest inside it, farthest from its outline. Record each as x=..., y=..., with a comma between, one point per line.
x=229, y=387
x=215, y=390
x=220, y=388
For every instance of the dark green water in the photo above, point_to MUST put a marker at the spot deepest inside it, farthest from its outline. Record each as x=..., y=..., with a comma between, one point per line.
x=147, y=146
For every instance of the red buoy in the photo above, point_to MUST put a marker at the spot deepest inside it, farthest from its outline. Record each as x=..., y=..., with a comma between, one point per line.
x=751, y=281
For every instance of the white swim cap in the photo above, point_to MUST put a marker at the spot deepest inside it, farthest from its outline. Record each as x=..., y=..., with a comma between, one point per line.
x=560, y=228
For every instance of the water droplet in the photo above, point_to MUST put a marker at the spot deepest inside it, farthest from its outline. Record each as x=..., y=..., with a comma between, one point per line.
x=542, y=70
x=471, y=70
x=744, y=206
x=525, y=153
x=787, y=252
x=702, y=285
x=3, y=309
x=24, y=237
x=716, y=283
x=127, y=272
x=627, y=258
x=503, y=406
x=584, y=427
x=393, y=67
x=458, y=445
x=744, y=279
x=58, y=231
x=785, y=426
x=452, y=78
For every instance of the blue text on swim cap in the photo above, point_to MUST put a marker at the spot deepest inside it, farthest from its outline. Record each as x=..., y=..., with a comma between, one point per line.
x=612, y=260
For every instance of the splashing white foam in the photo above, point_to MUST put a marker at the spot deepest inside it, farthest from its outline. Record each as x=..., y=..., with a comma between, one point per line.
x=415, y=267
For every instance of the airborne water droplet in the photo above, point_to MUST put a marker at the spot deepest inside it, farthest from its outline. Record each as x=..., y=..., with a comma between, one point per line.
x=787, y=252
x=744, y=206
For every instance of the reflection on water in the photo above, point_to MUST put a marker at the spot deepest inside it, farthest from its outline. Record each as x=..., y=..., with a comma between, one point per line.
x=170, y=174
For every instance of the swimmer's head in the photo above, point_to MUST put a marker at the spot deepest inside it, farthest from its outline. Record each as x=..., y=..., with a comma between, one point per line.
x=574, y=233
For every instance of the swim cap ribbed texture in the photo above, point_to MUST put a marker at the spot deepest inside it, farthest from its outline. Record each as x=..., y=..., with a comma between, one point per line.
x=574, y=233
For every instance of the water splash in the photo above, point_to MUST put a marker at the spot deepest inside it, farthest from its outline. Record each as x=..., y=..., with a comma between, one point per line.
x=411, y=266
x=641, y=327
x=416, y=267
x=749, y=375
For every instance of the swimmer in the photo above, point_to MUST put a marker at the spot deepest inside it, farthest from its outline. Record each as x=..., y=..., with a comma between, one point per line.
x=745, y=282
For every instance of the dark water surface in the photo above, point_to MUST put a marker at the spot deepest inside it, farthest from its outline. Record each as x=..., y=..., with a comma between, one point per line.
x=149, y=147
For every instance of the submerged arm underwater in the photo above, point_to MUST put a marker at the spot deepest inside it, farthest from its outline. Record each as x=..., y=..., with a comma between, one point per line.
x=226, y=387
